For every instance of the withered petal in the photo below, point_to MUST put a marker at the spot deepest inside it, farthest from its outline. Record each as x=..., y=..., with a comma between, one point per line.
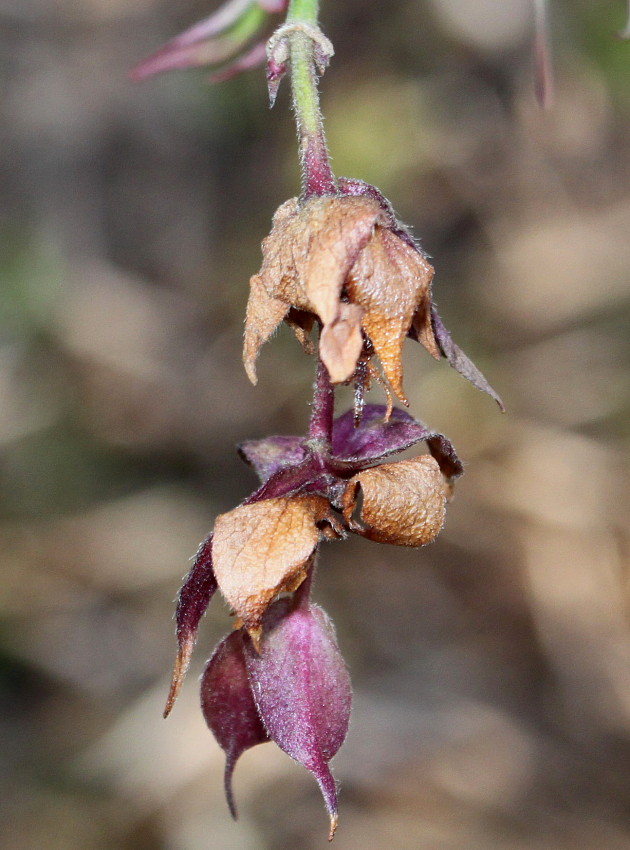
x=341, y=343
x=423, y=327
x=391, y=281
x=311, y=249
x=339, y=230
x=404, y=503
x=263, y=549
x=264, y=314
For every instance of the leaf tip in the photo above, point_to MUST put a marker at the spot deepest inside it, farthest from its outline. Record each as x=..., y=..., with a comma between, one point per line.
x=230, y=763
x=334, y=820
x=180, y=668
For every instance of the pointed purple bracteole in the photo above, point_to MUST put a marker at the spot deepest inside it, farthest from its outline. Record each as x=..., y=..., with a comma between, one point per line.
x=376, y=439
x=228, y=705
x=271, y=454
x=459, y=361
x=302, y=689
x=193, y=599
x=276, y=71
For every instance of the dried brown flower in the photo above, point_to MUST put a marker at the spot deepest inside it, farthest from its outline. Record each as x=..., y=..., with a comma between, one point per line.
x=403, y=503
x=340, y=259
x=263, y=549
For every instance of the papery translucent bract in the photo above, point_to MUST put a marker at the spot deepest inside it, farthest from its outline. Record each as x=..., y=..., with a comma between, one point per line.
x=403, y=503
x=263, y=549
x=302, y=690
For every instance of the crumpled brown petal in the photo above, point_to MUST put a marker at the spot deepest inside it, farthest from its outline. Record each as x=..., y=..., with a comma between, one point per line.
x=264, y=314
x=339, y=259
x=263, y=549
x=309, y=252
x=404, y=503
x=392, y=282
x=341, y=343
x=306, y=260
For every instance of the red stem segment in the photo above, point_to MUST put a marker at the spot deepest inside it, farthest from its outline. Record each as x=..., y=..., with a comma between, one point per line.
x=321, y=424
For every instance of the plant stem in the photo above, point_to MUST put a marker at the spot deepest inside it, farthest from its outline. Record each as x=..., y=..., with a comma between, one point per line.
x=317, y=176
x=321, y=424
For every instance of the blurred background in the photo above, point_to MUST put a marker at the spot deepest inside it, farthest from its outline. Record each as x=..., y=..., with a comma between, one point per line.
x=492, y=669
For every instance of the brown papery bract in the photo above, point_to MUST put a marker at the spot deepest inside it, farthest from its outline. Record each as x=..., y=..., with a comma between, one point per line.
x=404, y=503
x=392, y=281
x=337, y=258
x=263, y=549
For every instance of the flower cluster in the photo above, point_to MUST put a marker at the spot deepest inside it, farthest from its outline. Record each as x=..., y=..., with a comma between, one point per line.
x=279, y=676
x=346, y=263
x=337, y=264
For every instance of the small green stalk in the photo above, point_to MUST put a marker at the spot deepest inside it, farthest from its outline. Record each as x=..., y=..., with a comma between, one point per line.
x=303, y=37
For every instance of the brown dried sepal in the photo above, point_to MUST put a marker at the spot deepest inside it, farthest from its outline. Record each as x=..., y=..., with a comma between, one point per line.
x=392, y=282
x=342, y=342
x=263, y=549
x=337, y=258
x=264, y=314
x=403, y=503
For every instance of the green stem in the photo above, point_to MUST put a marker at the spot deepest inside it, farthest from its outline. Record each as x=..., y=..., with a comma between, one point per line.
x=317, y=176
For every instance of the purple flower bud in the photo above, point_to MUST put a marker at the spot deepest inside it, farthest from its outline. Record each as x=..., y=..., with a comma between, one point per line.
x=228, y=705
x=302, y=690
x=193, y=599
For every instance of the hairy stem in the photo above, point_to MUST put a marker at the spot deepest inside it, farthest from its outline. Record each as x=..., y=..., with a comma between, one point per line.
x=322, y=411
x=317, y=176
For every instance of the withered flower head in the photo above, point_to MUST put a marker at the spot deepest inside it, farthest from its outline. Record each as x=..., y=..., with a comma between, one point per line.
x=339, y=259
x=348, y=263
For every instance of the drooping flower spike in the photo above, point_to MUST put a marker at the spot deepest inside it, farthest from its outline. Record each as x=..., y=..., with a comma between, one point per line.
x=338, y=262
